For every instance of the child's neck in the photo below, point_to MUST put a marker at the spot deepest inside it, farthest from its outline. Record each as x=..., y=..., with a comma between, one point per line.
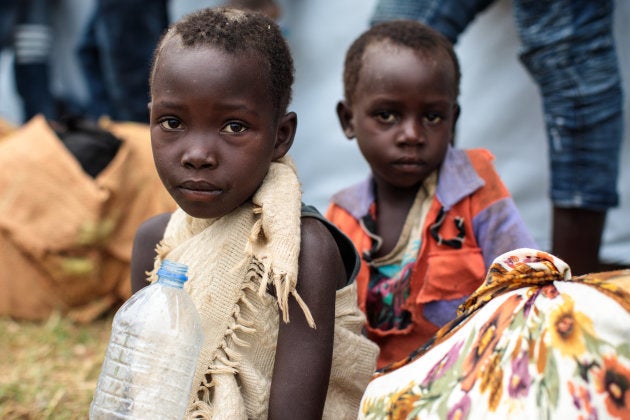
x=392, y=208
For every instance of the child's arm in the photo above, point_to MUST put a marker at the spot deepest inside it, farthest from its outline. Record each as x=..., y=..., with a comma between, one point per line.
x=148, y=235
x=304, y=355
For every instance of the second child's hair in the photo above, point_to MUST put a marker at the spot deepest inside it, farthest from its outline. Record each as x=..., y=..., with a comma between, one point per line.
x=403, y=32
x=239, y=31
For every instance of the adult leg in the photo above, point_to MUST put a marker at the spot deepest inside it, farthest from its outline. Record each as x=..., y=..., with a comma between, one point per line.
x=33, y=47
x=577, y=236
x=569, y=49
x=8, y=17
x=89, y=56
x=127, y=32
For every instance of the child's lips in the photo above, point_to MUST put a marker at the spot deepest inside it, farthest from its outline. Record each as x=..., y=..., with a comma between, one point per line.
x=408, y=163
x=199, y=190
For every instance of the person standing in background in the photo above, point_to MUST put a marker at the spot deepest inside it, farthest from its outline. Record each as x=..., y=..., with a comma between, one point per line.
x=32, y=43
x=115, y=54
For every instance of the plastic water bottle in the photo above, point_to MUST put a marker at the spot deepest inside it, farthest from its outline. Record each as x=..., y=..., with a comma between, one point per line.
x=152, y=353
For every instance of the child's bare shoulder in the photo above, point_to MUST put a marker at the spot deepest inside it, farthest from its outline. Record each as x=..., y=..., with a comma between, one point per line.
x=320, y=255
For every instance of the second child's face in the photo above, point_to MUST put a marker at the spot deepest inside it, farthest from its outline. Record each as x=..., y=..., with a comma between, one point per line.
x=213, y=127
x=403, y=114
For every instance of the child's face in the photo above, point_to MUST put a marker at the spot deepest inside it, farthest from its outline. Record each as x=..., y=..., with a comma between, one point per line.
x=403, y=113
x=214, y=129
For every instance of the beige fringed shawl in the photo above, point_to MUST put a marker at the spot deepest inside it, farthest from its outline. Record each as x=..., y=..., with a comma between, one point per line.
x=232, y=260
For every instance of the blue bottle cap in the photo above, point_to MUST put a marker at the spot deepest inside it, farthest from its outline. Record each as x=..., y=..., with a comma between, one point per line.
x=174, y=271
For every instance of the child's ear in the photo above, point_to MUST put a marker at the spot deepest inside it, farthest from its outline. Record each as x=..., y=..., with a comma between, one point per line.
x=456, y=112
x=344, y=113
x=285, y=134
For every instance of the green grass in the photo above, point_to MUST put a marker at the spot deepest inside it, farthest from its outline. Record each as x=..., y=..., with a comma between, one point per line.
x=48, y=370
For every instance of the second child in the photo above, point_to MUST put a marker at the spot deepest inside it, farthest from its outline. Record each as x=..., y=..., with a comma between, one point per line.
x=430, y=218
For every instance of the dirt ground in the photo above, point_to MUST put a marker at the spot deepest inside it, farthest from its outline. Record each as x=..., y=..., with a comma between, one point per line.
x=48, y=370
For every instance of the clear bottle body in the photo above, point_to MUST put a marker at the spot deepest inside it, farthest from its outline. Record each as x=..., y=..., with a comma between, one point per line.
x=151, y=357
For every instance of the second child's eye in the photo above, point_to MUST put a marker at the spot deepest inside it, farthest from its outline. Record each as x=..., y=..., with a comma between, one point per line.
x=433, y=118
x=171, y=124
x=234, y=127
x=386, y=117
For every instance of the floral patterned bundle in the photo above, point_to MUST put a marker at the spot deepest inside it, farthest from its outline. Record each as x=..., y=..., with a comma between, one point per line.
x=531, y=342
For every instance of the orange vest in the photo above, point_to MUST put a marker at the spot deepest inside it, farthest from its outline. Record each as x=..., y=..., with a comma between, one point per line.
x=443, y=276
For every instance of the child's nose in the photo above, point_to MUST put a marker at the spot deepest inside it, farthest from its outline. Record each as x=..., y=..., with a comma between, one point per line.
x=200, y=153
x=410, y=133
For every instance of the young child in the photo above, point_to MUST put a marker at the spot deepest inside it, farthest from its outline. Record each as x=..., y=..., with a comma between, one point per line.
x=430, y=219
x=220, y=86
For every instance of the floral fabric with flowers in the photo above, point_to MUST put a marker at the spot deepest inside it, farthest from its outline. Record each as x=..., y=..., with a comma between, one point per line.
x=531, y=342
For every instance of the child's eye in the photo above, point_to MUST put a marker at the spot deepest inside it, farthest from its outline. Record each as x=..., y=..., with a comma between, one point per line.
x=171, y=124
x=234, y=127
x=433, y=118
x=386, y=117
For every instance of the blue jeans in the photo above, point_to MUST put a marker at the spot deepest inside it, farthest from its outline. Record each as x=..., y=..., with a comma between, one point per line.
x=8, y=16
x=32, y=43
x=569, y=50
x=115, y=54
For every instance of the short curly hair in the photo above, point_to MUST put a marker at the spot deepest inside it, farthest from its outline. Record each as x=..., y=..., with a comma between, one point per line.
x=403, y=32
x=236, y=31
